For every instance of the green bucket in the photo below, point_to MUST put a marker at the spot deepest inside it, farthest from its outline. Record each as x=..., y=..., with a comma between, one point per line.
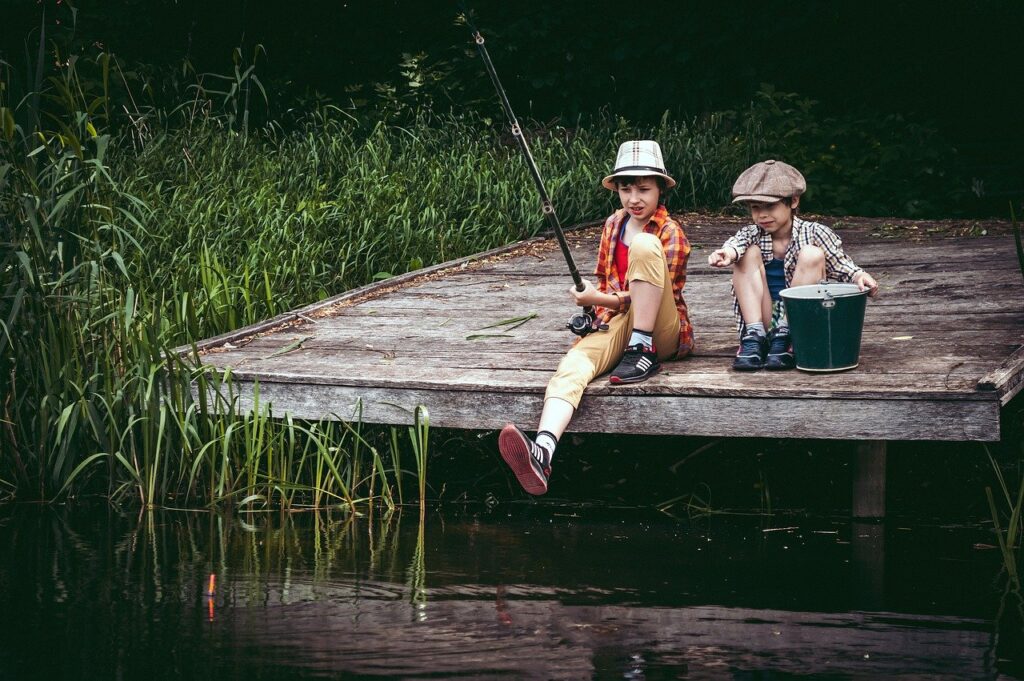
x=825, y=321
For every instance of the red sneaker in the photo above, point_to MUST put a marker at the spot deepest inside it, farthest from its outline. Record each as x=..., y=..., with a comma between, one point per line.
x=528, y=460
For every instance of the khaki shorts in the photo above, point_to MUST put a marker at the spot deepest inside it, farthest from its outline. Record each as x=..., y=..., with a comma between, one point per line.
x=601, y=351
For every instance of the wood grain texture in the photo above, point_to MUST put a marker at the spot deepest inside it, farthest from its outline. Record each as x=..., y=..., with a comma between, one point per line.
x=941, y=350
x=872, y=419
x=1008, y=378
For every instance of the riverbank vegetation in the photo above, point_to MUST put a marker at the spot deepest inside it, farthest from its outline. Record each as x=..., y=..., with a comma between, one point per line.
x=145, y=213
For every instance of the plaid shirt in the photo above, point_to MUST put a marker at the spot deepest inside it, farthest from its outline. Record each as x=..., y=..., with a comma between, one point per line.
x=677, y=252
x=838, y=265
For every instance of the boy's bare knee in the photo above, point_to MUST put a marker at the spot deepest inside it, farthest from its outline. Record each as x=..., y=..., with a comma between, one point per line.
x=645, y=245
x=751, y=258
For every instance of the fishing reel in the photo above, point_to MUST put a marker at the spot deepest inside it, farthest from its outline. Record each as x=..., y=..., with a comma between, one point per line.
x=584, y=322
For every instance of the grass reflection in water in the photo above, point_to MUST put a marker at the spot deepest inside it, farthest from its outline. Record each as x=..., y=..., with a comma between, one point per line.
x=529, y=592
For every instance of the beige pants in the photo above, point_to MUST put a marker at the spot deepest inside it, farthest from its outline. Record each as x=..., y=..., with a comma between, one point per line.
x=601, y=350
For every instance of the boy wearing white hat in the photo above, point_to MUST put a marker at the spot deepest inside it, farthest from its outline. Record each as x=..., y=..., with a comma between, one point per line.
x=641, y=272
x=778, y=251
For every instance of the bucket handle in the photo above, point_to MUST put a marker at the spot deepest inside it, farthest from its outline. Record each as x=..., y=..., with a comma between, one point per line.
x=829, y=301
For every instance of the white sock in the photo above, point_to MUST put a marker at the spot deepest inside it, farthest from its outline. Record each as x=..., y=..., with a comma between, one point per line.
x=645, y=338
x=546, y=440
x=756, y=327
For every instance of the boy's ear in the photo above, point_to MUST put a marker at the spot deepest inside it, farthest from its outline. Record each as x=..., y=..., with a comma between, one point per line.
x=794, y=202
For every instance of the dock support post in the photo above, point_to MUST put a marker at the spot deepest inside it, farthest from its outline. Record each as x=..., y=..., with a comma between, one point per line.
x=869, y=480
x=868, y=562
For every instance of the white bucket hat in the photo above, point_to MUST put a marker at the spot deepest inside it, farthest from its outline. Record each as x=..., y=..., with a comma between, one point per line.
x=638, y=158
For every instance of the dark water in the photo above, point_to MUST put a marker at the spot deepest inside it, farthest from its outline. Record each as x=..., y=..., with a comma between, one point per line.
x=536, y=592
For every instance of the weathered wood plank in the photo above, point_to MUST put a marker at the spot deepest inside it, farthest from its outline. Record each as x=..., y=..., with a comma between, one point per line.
x=912, y=419
x=669, y=383
x=927, y=359
x=917, y=294
x=917, y=291
x=1007, y=379
x=550, y=324
x=882, y=332
x=878, y=346
x=877, y=320
x=995, y=252
x=698, y=271
x=314, y=308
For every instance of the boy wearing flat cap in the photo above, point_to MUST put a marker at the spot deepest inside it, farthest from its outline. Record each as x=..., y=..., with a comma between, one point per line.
x=641, y=271
x=776, y=252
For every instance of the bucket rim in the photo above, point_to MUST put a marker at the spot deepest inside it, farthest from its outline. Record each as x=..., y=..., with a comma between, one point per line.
x=833, y=289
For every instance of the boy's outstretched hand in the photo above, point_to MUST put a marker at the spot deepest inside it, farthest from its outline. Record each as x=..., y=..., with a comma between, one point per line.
x=723, y=257
x=865, y=281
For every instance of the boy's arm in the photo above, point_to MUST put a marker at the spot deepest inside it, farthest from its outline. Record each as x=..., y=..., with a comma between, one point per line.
x=742, y=240
x=591, y=296
x=838, y=265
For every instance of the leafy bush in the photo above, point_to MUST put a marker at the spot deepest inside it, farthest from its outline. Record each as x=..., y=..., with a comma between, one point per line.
x=860, y=164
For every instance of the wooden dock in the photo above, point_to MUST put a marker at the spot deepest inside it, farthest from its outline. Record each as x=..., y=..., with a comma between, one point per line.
x=941, y=350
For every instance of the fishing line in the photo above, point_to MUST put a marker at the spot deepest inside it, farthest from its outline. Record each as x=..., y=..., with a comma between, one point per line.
x=583, y=322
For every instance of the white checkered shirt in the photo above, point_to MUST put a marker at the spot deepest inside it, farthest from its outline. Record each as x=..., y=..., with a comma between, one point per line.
x=838, y=265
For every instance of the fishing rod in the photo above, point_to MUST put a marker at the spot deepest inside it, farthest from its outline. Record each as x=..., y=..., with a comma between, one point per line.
x=581, y=323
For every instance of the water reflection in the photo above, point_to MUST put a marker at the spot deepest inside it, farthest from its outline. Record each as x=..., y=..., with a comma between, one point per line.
x=535, y=594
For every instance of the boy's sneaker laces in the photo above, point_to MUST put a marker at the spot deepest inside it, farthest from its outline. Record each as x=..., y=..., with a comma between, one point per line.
x=751, y=354
x=530, y=462
x=638, y=364
x=780, y=352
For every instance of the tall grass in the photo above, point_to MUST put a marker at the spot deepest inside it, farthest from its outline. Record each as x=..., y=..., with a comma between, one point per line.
x=122, y=240
x=277, y=220
x=1008, y=537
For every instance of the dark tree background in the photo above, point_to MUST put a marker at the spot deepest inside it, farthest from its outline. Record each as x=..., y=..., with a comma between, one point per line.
x=954, y=64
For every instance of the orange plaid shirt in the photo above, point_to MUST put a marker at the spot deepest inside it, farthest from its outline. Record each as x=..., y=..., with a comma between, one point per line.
x=677, y=252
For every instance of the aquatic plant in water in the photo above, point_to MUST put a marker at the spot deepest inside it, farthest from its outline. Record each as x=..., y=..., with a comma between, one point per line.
x=1008, y=537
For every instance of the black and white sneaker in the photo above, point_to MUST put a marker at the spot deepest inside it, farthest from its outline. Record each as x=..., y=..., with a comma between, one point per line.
x=530, y=462
x=637, y=364
x=752, y=352
x=780, y=351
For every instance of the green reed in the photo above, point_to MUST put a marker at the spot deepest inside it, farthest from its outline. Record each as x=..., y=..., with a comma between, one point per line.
x=419, y=435
x=1008, y=537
